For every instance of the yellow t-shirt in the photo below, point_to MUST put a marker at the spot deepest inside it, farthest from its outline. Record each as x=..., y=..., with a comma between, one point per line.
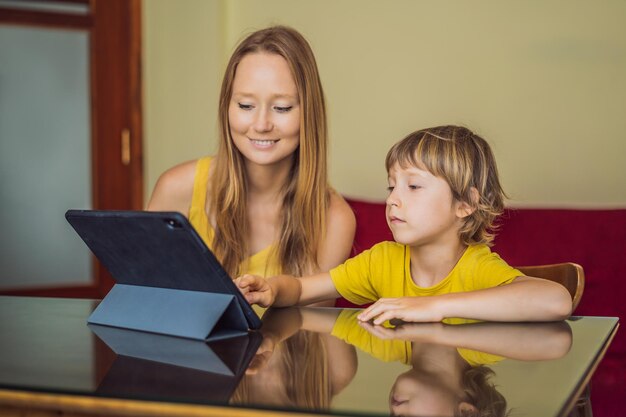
x=385, y=271
x=263, y=263
x=347, y=329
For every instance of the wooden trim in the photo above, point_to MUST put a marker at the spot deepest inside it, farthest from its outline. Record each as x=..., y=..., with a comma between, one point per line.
x=116, y=63
x=136, y=104
x=98, y=272
x=66, y=1
x=117, y=99
x=93, y=95
x=45, y=19
x=69, y=291
x=116, y=407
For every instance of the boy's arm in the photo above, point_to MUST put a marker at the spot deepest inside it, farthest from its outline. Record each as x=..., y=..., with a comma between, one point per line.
x=522, y=341
x=319, y=320
x=525, y=299
x=287, y=290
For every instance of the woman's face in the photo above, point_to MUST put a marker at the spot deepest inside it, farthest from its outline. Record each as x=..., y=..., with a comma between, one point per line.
x=264, y=110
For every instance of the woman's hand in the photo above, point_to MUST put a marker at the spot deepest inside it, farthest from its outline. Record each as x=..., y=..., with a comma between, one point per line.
x=279, y=324
x=257, y=290
x=262, y=356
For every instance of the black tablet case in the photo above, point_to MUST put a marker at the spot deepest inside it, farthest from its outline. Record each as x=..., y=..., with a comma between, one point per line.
x=167, y=280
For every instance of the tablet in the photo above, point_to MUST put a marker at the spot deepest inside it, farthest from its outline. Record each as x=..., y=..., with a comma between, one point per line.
x=155, y=249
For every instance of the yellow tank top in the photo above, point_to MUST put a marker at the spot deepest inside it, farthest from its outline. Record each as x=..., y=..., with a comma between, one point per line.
x=262, y=263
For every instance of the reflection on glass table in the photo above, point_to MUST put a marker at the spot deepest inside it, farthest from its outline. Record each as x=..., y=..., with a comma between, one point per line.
x=448, y=365
x=320, y=360
x=149, y=365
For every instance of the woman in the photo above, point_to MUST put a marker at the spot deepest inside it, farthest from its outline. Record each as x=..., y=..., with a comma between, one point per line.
x=263, y=204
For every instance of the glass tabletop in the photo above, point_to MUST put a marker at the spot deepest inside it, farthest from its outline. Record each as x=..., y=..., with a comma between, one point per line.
x=306, y=359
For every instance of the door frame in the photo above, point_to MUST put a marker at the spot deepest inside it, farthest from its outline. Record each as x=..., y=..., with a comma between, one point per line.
x=114, y=28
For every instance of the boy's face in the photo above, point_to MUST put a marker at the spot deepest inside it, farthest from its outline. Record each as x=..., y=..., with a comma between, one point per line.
x=418, y=393
x=420, y=208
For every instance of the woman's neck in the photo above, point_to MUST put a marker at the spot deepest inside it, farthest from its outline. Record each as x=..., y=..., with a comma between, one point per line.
x=265, y=191
x=267, y=182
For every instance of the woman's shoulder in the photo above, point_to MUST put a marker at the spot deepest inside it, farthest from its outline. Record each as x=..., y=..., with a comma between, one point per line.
x=340, y=217
x=340, y=228
x=174, y=188
x=339, y=211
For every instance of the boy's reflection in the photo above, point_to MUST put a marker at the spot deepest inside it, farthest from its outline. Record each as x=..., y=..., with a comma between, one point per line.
x=448, y=375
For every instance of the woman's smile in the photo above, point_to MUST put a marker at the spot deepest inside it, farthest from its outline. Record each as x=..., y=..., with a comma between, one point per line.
x=263, y=143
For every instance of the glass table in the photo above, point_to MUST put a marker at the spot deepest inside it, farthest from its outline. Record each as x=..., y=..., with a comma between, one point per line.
x=303, y=361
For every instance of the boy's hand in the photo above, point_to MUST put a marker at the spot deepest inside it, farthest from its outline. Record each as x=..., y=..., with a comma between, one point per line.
x=256, y=290
x=413, y=332
x=414, y=309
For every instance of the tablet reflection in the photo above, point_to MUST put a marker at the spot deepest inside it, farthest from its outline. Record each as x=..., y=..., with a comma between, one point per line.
x=150, y=366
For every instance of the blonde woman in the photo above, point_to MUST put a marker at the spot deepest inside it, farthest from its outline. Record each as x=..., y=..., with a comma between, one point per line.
x=263, y=203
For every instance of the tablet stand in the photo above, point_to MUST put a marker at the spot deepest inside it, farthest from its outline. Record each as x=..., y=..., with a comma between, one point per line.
x=190, y=314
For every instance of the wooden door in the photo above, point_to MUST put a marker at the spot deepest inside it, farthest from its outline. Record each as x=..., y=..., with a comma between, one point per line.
x=114, y=42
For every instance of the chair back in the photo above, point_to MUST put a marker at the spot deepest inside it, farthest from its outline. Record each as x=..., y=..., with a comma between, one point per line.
x=568, y=274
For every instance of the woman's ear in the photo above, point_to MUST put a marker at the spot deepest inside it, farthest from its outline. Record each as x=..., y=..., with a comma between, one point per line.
x=465, y=208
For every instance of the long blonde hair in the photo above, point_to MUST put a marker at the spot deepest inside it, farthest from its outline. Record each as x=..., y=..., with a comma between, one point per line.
x=306, y=197
x=304, y=372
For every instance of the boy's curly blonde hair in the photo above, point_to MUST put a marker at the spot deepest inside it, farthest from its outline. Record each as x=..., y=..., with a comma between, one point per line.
x=465, y=161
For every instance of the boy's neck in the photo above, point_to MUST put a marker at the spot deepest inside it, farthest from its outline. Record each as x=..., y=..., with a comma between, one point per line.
x=432, y=357
x=442, y=364
x=431, y=264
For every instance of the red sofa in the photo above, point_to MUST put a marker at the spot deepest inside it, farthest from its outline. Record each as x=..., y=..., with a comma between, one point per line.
x=595, y=239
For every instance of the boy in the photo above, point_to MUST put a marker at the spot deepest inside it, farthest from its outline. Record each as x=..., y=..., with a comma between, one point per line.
x=444, y=195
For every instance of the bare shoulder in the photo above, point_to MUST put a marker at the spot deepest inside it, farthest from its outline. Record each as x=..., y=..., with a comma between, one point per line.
x=343, y=363
x=340, y=229
x=174, y=189
x=340, y=214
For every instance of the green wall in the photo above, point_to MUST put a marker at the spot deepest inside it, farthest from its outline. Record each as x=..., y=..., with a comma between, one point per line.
x=542, y=81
